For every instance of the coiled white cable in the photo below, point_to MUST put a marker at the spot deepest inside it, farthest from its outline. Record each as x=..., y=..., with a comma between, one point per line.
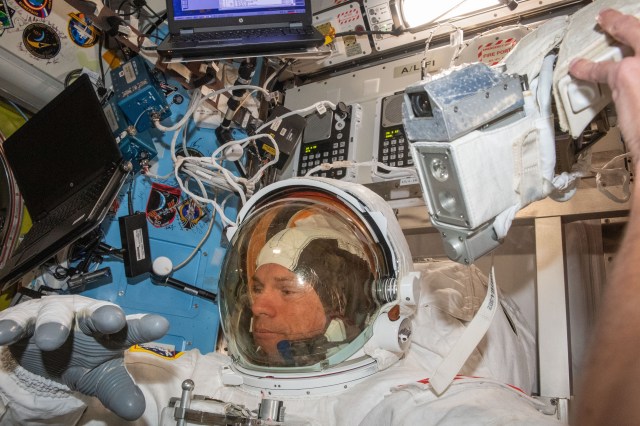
x=210, y=171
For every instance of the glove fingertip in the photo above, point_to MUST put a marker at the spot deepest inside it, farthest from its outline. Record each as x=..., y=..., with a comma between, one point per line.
x=129, y=405
x=108, y=319
x=51, y=335
x=154, y=326
x=10, y=332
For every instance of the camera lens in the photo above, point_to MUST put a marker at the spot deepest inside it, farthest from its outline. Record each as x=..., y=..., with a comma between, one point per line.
x=421, y=105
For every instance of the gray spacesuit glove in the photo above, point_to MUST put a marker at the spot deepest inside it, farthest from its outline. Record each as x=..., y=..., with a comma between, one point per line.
x=80, y=342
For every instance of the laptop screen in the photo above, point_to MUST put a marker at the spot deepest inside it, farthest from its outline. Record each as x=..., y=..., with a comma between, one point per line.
x=61, y=148
x=235, y=12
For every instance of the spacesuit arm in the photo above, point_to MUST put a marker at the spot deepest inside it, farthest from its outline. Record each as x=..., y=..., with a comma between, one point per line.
x=609, y=383
x=60, y=344
x=29, y=399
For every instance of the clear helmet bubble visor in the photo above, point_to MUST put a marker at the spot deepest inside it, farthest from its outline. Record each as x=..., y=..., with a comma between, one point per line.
x=297, y=284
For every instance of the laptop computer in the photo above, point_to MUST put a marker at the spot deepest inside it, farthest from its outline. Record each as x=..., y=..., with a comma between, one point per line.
x=223, y=27
x=69, y=169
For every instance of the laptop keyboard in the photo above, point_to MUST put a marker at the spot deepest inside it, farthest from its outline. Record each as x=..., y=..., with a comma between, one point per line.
x=84, y=199
x=244, y=34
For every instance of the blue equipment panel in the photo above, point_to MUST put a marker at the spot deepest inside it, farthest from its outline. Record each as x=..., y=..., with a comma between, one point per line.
x=138, y=93
x=176, y=225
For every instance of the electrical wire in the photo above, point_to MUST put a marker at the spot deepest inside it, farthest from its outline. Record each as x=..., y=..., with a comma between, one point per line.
x=145, y=5
x=135, y=124
x=156, y=24
x=18, y=110
x=100, y=59
x=394, y=172
x=267, y=85
x=204, y=238
x=130, y=197
x=621, y=176
x=394, y=32
x=318, y=106
x=210, y=171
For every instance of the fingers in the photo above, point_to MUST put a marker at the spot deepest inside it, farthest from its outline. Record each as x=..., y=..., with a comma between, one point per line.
x=51, y=335
x=18, y=322
x=120, y=331
x=112, y=385
x=56, y=316
x=141, y=328
x=592, y=71
x=624, y=28
x=51, y=319
x=106, y=319
x=146, y=328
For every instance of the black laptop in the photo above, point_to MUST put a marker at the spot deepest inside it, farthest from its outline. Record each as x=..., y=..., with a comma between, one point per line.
x=215, y=28
x=68, y=168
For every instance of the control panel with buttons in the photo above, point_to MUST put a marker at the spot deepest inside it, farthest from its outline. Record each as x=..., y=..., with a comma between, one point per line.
x=393, y=147
x=327, y=138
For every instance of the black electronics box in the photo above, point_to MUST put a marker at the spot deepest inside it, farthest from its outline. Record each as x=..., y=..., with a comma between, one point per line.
x=134, y=235
x=287, y=132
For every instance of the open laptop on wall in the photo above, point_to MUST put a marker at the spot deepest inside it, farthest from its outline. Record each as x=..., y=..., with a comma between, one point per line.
x=69, y=169
x=222, y=27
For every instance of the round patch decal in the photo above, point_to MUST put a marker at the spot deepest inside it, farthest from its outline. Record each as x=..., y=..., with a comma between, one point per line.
x=39, y=8
x=161, y=205
x=81, y=30
x=41, y=40
x=190, y=212
x=5, y=15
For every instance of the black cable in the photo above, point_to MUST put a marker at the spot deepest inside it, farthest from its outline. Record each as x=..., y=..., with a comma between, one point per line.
x=25, y=291
x=60, y=272
x=155, y=25
x=274, y=79
x=130, y=197
x=124, y=15
x=90, y=255
x=86, y=252
x=44, y=288
x=151, y=36
x=151, y=10
x=394, y=32
x=126, y=52
x=100, y=60
x=106, y=250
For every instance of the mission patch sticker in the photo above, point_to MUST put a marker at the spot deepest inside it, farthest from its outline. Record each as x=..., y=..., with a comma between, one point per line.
x=41, y=40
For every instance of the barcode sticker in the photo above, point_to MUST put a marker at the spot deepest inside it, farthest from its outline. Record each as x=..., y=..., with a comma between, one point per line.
x=138, y=241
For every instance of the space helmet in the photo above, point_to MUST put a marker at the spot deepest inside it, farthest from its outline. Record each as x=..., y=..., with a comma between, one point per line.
x=316, y=270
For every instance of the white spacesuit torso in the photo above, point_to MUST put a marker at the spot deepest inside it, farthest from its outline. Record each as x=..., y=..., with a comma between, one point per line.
x=493, y=387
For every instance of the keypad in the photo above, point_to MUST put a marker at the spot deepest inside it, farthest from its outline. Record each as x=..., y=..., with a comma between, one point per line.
x=393, y=148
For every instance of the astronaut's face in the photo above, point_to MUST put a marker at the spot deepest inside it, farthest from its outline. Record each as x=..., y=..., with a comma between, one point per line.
x=284, y=307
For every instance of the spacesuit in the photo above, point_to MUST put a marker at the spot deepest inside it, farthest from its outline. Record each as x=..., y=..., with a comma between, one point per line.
x=366, y=331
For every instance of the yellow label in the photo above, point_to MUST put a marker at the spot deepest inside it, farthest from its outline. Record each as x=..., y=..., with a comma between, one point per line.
x=160, y=351
x=268, y=148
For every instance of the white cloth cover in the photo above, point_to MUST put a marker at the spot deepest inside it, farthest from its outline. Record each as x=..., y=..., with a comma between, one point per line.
x=584, y=38
x=451, y=294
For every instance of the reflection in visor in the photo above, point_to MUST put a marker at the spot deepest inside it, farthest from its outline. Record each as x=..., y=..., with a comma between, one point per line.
x=296, y=286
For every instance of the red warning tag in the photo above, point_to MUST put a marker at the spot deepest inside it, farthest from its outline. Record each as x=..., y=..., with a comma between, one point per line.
x=492, y=53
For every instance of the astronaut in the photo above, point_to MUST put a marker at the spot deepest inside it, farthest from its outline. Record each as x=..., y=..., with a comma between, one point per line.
x=323, y=311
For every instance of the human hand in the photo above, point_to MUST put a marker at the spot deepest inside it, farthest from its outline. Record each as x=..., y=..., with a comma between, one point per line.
x=620, y=76
x=80, y=342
